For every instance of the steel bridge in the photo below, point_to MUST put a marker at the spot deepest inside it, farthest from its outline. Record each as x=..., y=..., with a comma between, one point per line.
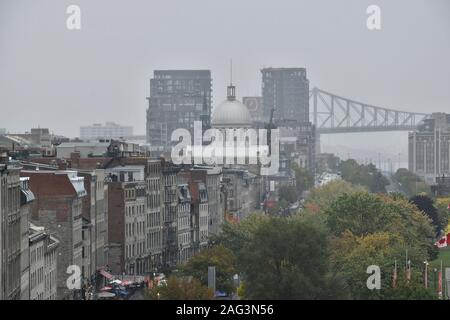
x=336, y=114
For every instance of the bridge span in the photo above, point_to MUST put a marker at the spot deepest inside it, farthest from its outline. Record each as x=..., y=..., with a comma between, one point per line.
x=335, y=114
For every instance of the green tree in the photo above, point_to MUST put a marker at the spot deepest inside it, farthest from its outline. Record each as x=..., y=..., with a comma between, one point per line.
x=180, y=288
x=352, y=254
x=322, y=197
x=365, y=175
x=410, y=183
x=235, y=236
x=287, y=194
x=222, y=258
x=370, y=229
x=304, y=180
x=284, y=259
x=425, y=204
x=363, y=213
x=443, y=205
x=410, y=291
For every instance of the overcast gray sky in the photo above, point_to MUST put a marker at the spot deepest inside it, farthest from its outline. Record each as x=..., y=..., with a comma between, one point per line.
x=61, y=79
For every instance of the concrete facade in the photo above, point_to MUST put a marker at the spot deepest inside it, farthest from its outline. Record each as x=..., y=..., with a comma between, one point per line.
x=429, y=148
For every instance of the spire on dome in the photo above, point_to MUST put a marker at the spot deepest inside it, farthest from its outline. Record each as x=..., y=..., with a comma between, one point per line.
x=231, y=90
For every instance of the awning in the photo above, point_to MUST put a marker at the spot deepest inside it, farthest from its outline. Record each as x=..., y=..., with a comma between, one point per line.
x=116, y=281
x=107, y=288
x=106, y=274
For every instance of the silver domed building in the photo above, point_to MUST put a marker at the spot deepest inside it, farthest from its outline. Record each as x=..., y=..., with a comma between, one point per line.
x=234, y=121
x=231, y=114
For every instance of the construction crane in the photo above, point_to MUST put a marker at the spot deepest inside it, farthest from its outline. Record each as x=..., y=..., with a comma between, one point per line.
x=269, y=128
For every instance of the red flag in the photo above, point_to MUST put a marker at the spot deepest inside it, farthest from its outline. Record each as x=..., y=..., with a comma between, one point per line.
x=442, y=242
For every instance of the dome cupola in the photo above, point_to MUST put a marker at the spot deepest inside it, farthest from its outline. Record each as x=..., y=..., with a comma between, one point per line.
x=231, y=113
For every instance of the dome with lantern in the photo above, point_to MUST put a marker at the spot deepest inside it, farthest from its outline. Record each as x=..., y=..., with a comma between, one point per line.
x=231, y=113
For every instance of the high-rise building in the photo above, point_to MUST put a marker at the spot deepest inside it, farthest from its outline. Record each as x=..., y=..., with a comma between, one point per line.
x=429, y=148
x=177, y=99
x=286, y=91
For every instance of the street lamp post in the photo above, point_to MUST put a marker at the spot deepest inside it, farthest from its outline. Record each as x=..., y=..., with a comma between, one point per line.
x=435, y=279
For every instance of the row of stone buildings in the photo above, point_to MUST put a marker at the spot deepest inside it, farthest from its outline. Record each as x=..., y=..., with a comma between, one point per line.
x=28, y=256
x=123, y=212
x=160, y=214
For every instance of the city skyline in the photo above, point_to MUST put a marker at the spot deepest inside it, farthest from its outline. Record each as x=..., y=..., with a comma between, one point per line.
x=111, y=78
x=230, y=151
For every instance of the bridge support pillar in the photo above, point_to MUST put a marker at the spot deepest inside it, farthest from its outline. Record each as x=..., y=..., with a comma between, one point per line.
x=317, y=142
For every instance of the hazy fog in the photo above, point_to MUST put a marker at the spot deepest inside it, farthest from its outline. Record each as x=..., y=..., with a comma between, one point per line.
x=61, y=79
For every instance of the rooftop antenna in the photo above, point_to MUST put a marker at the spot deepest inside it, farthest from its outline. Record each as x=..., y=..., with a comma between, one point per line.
x=231, y=71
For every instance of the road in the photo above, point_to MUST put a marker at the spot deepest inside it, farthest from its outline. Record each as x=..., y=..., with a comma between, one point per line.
x=393, y=186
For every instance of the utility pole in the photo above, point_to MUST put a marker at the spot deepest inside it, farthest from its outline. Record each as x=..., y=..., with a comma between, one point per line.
x=212, y=279
x=379, y=162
